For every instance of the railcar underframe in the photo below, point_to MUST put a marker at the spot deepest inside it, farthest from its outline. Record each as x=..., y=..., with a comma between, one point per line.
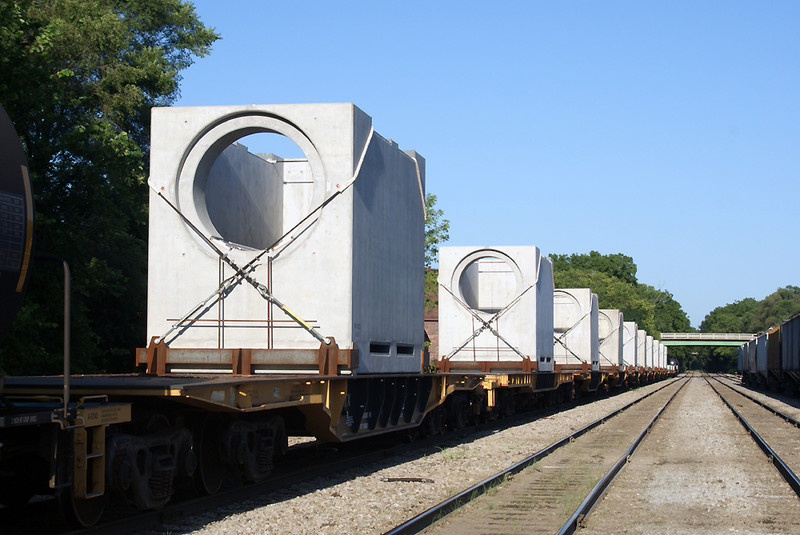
x=138, y=436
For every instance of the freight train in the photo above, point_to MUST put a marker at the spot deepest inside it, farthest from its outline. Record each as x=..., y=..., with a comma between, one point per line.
x=285, y=297
x=772, y=359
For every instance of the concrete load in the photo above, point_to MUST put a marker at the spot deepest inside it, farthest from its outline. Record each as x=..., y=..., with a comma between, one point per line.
x=630, y=343
x=649, y=354
x=575, y=317
x=495, y=306
x=641, y=348
x=284, y=255
x=611, y=337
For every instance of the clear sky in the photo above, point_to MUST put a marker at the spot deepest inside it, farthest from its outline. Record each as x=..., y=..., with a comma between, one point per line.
x=668, y=131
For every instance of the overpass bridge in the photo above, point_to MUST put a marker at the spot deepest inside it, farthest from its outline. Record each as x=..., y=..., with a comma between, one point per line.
x=705, y=339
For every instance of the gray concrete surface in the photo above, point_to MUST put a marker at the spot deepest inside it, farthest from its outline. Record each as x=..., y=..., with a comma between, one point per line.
x=511, y=287
x=630, y=343
x=575, y=317
x=352, y=269
x=610, y=333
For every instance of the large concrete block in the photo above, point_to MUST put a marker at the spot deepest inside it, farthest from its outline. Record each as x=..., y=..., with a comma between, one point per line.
x=630, y=343
x=510, y=288
x=641, y=349
x=575, y=317
x=352, y=270
x=611, y=337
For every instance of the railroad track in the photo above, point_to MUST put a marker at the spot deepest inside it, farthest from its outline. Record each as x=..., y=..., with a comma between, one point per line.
x=331, y=463
x=302, y=463
x=700, y=471
x=776, y=433
x=551, y=490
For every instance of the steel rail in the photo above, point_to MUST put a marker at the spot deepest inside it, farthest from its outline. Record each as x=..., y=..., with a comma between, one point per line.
x=172, y=512
x=773, y=410
x=787, y=473
x=428, y=517
x=596, y=493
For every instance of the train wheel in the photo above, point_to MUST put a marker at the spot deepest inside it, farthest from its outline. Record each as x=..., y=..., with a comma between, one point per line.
x=210, y=471
x=82, y=513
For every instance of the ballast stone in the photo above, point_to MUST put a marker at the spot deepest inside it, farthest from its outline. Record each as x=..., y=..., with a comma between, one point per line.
x=352, y=270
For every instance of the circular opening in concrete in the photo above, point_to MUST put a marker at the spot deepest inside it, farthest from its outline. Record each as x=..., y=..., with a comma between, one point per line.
x=488, y=284
x=250, y=196
x=256, y=187
x=566, y=311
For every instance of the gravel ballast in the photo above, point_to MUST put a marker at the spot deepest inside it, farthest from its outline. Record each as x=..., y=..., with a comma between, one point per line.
x=373, y=503
x=699, y=473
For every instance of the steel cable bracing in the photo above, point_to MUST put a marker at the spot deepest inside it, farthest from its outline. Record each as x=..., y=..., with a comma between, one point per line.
x=605, y=357
x=600, y=342
x=242, y=273
x=563, y=344
x=260, y=288
x=486, y=324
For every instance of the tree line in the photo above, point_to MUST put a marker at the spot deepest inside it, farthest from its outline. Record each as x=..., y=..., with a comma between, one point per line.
x=79, y=78
x=746, y=316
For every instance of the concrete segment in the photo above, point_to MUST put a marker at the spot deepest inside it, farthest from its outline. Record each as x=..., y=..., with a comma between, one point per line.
x=353, y=269
x=509, y=287
x=630, y=343
x=611, y=335
x=641, y=348
x=575, y=317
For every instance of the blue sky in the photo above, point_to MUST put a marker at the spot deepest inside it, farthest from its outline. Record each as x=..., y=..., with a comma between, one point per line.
x=667, y=131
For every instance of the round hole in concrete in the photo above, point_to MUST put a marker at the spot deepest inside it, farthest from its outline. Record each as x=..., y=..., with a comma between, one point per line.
x=488, y=284
x=257, y=188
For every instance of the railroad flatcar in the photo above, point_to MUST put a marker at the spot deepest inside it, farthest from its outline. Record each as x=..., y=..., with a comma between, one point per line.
x=285, y=298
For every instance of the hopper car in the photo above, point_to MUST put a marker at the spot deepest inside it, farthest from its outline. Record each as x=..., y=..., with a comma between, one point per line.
x=230, y=370
x=771, y=360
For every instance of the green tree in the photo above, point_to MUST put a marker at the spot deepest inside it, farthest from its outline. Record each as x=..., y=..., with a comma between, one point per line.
x=437, y=231
x=745, y=316
x=735, y=317
x=751, y=316
x=79, y=79
x=611, y=293
x=668, y=315
x=613, y=278
x=616, y=265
